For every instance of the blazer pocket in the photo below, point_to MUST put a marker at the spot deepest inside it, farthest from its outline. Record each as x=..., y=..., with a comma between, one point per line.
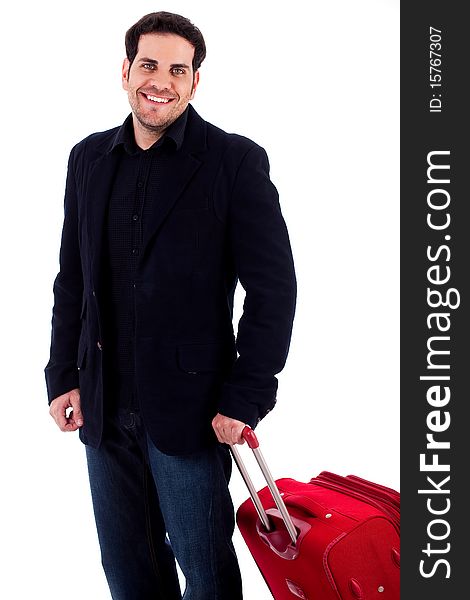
x=201, y=358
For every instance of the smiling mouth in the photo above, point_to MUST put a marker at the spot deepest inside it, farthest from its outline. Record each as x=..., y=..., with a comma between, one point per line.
x=157, y=99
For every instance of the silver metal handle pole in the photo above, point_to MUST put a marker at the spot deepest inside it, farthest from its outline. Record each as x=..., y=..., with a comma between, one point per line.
x=252, y=440
x=276, y=495
x=251, y=488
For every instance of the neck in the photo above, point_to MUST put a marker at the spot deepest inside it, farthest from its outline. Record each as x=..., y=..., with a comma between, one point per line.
x=145, y=137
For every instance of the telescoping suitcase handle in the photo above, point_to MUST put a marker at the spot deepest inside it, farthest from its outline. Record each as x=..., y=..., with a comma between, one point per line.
x=252, y=441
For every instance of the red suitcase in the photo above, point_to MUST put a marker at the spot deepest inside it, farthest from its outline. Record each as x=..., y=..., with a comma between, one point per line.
x=331, y=538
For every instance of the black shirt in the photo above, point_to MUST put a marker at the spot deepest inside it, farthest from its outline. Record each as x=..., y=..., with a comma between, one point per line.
x=135, y=189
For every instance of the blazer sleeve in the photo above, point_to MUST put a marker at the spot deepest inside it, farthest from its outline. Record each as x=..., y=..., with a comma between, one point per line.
x=61, y=371
x=263, y=260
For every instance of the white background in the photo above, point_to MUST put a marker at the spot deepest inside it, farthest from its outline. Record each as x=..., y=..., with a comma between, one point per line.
x=316, y=84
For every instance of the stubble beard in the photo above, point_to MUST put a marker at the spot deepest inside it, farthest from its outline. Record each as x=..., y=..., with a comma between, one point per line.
x=156, y=124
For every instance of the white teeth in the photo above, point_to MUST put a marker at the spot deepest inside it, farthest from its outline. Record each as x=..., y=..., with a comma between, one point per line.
x=160, y=100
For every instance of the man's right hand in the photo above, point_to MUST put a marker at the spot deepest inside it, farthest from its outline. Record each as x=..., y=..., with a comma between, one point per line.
x=72, y=420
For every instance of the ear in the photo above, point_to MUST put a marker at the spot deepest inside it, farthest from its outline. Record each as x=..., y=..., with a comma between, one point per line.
x=195, y=84
x=125, y=74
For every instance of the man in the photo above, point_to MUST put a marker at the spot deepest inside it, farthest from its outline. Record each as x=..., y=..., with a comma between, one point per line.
x=162, y=216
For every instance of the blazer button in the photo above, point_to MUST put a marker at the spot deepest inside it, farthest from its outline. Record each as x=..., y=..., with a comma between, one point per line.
x=100, y=347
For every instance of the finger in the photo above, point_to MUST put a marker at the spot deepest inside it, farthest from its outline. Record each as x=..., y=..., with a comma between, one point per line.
x=67, y=421
x=57, y=412
x=236, y=432
x=76, y=416
x=232, y=436
x=225, y=436
x=238, y=437
x=215, y=427
x=61, y=421
x=70, y=425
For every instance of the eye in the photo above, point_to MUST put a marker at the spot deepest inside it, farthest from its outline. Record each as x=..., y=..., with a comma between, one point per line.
x=148, y=66
x=178, y=71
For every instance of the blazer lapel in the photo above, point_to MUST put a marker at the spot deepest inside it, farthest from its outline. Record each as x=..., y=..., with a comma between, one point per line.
x=179, y=171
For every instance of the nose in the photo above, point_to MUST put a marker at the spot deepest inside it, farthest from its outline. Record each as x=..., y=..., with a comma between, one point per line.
x=160, y=80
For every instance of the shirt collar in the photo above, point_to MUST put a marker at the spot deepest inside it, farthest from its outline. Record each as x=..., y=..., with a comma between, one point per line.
x=174, y=135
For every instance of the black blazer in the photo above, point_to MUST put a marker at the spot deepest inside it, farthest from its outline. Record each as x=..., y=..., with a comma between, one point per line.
x=217, y=221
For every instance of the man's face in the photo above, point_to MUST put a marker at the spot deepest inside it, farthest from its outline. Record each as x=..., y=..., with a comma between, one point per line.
x=160, y=82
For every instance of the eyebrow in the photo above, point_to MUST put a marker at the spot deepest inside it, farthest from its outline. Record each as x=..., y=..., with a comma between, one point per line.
x=155, y=62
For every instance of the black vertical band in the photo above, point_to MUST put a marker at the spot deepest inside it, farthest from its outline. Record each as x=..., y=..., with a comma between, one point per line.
x=435, y=299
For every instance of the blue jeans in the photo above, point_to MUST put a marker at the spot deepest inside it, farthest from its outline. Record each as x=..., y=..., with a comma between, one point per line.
x=141, y=497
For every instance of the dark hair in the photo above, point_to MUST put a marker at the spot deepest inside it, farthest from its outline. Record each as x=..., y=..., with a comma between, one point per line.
x=166, y=22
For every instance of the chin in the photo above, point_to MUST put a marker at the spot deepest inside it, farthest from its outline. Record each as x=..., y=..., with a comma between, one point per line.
x=157, y=123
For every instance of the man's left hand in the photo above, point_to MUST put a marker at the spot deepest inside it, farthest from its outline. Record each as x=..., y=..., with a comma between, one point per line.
x=227, y=430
